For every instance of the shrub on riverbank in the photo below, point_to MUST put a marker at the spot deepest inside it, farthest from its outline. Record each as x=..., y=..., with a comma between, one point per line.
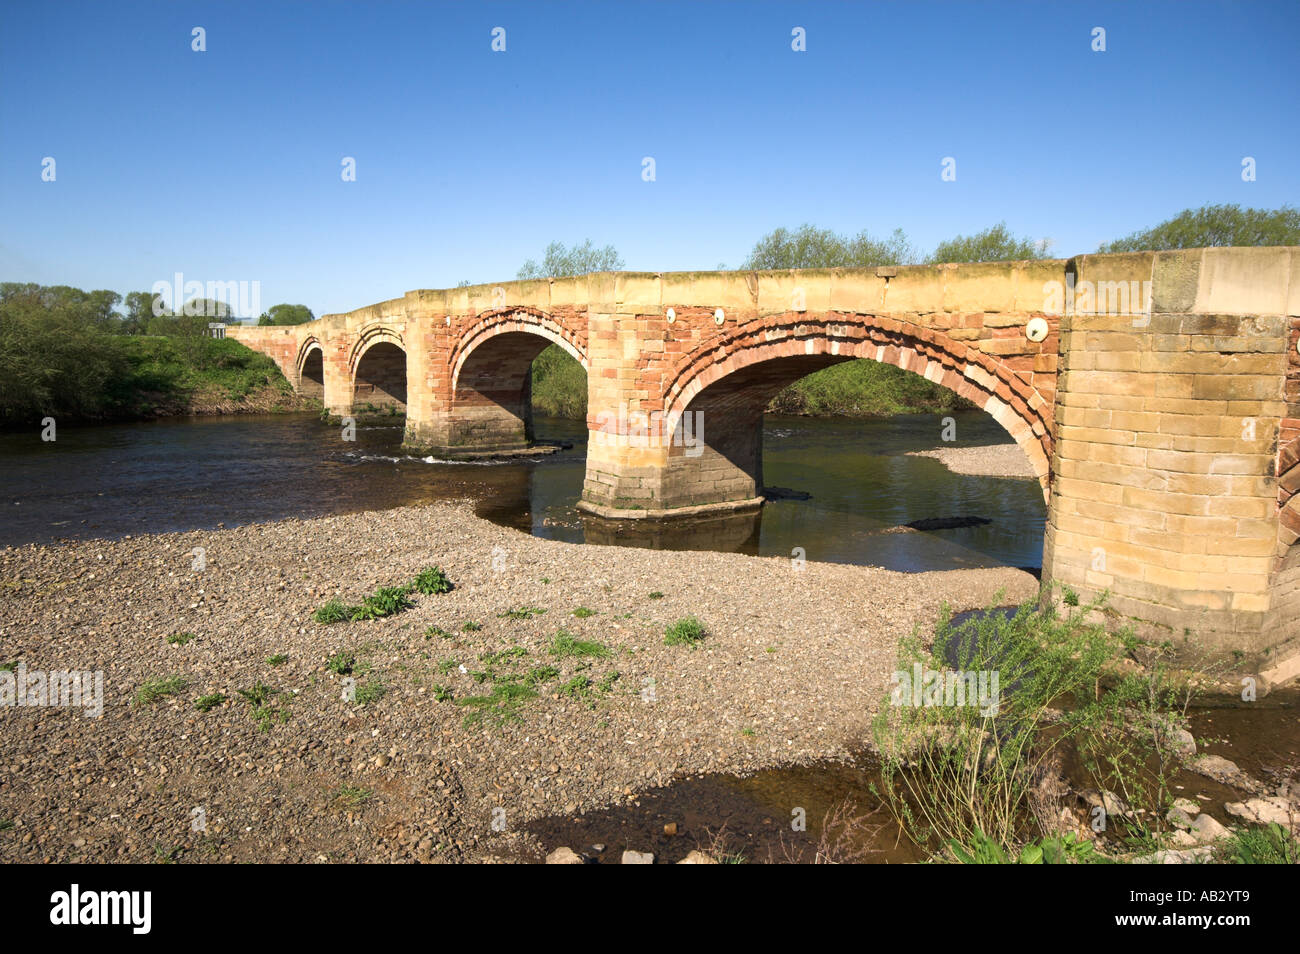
x=974, y=734
x=62, y=356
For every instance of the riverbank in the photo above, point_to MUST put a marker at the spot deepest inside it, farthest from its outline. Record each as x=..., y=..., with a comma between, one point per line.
x=107, y=378
x=283, y=768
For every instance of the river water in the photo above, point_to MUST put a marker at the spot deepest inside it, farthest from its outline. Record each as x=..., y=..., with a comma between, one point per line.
x=843, y=483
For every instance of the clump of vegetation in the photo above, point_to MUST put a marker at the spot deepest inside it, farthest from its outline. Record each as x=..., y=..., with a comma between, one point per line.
x=471, y=626
x=1269, y=844
x=179, y=639
x=372, y=690
x=341, y=663
x=582, y=688
x=524, y=612
x=442, y=693
x=439, y=632
x=1065, y=849
x=499, y=707
x=988, y=708
x=279, y=659
x=349, y=796
x=565, y=645
x=583, y=612
x=432, y=582
x=684, y=632
x=209, y=702
x=156, y=689
x=385, y=601
x=333, y=611
x=260, y=697
x=656, y=595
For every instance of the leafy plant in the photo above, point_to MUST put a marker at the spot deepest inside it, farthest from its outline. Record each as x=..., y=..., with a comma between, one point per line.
x=432, y=582
x=155, y=690
x=385, y=601
x=206, y=703
x=684, y=632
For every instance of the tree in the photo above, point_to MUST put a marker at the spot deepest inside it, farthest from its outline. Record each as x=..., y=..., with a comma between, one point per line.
x=139, y=310
x=56, y=353
x=286, y=315
x=810, y=247
x=994, y=244
x=1215, y=225
x=579, y=260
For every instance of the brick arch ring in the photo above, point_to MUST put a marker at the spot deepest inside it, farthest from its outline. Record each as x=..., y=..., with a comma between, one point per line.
x=501, y=321
x=370, y=336
x=304, y=349
x=978, y=377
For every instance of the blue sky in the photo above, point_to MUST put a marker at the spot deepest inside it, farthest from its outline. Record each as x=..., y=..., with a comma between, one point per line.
x=225, y=165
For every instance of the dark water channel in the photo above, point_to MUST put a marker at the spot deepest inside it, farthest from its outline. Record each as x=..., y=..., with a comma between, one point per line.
x=843, y=483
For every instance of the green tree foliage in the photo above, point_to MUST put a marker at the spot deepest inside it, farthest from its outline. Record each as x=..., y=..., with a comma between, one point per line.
x=559, y=384
x=60, y=357
x=286, y=315
x=1212, y=226
x=140, y=308
x=811, y=247
x=579, y=260
x=994, y=244
x=56, y=353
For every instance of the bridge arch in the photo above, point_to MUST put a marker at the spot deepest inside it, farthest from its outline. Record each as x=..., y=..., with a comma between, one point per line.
x=377, y=367
x=509, y=322
x=491, y=373
x=310, y=365
x=737, y=373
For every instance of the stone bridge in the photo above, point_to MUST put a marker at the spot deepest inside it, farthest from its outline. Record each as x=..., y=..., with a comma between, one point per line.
x=1155, y=395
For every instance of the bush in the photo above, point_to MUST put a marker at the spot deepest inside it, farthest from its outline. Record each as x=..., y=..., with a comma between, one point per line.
x=432, y=582
x=958, y=771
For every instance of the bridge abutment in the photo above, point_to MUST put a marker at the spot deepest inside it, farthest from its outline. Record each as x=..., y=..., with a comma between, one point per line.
x=1166, y=496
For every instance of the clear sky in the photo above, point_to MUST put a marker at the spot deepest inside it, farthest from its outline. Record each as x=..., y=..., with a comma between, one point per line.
x=226, y=164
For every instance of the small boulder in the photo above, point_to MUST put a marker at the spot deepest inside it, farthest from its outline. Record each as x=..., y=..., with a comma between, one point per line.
x=638, y=858
x=1215, y=767
x=697, y=858
x=1206, y=829
x=564, y=856
x=1263, y=811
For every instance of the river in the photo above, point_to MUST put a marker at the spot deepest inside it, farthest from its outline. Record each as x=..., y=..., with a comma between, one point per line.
x=843, y=483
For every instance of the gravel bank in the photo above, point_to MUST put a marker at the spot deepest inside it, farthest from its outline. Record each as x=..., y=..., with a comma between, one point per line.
x=797, y=660
x=991, y=460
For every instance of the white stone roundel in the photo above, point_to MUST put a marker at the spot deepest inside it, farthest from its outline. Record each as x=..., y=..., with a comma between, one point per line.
x=719, y=317
x=671, y=315
x=1036, y=329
